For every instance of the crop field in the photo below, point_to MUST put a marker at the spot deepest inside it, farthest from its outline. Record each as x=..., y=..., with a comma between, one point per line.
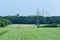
x=28, y=32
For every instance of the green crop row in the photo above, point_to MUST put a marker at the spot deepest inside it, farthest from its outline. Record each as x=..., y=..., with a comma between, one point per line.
x=32, y=34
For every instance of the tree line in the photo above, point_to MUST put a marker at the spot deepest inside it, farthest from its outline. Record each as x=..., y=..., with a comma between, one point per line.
x=4, y=22
x=32, y=19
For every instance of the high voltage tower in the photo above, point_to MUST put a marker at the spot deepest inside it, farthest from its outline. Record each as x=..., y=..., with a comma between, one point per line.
x=38, y=16
x=38, y=23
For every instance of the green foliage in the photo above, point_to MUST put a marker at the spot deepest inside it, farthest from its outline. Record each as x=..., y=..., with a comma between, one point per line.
x=4, y=22
x=50, y=25
x=33, y=19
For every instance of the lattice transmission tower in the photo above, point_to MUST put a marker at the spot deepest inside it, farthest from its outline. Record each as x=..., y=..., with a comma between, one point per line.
x=38, y=21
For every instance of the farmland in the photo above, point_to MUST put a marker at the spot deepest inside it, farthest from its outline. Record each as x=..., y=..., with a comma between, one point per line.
x=28, y=32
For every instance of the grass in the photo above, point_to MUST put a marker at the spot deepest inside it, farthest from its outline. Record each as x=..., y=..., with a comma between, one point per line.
x=21, y=32
x=2, y=31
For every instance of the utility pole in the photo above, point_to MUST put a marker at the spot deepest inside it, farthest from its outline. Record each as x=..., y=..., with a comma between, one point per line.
x=38, y=18
x=43, y=12
x=43, y=21
x=17, y=17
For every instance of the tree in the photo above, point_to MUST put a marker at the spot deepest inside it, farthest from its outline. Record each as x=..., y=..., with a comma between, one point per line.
x=4, y=22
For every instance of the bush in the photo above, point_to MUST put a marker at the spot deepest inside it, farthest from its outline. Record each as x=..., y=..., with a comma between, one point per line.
x=59, y=25
x=4, y=22
x=50, y=25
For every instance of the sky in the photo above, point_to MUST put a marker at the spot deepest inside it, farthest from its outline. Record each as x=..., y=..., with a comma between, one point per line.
x=29, y=7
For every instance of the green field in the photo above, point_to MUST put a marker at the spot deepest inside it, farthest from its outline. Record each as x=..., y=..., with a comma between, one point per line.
x=28, y=32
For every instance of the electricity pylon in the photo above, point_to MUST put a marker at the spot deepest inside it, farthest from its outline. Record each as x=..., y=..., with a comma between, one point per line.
x=38, y=18
x=43, y=16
